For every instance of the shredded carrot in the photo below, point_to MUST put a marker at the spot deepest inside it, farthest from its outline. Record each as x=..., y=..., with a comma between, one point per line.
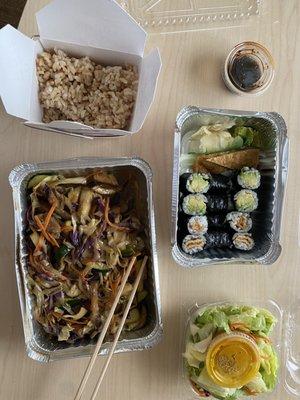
x=249, y=391
x=49, y=215
x=201, y=393
x=256, y=337
x=46, y=235
x=267, y=340
x=53, y=239
x=239, y=326
x=114, y=284
x=67, y=228
x=117, y=227
x=39, y=243
x=31, y=260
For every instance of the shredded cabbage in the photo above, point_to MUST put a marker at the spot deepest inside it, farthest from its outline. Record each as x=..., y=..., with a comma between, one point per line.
x=82, y=234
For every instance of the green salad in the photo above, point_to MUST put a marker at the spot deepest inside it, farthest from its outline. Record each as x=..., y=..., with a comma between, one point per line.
x=222, y=320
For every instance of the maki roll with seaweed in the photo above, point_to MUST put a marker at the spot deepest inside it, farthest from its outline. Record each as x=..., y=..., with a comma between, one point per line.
x=194, y=204
x=239, y=222
x=246, y=200
x=192, y=244
x=218, y=239
x=220, y=183
x=243, y=241
x=198, y=183
x=218, y=203
x=249, y=178
x=197, y=225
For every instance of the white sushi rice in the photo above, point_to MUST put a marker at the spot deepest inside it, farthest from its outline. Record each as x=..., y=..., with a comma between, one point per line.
x=192, y=244
x=243, y=241
x=197, y=225
x=239, y=222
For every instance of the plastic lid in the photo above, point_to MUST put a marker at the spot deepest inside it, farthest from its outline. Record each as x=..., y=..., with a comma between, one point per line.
x=162, y=16
x=232, y=360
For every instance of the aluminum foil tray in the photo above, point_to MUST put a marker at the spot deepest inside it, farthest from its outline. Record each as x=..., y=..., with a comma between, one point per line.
x=39, y=345
x=273, y=166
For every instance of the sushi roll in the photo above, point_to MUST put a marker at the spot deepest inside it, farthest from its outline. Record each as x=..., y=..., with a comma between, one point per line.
x=239, y=222
x=218, y=203
x=220, y=183
x=198, y=183
x=192, y=244
x=243, y=241
x=197, y=225
x=249, y=178
x=194, y=204
x=218, y=239
x=216, y=221
x=246, y=200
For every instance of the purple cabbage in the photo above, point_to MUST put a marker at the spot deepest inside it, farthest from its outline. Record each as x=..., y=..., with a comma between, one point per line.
x=100, y=204
x=75, y=239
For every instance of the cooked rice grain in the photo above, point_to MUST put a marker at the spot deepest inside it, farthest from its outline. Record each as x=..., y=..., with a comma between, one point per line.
x=77, y=89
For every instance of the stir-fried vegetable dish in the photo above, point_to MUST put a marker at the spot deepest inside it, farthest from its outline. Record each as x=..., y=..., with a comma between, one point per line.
x=82, y=232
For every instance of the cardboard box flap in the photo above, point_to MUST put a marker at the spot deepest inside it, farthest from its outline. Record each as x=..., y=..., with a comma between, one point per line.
x=97, y=23
x=148, y=79
x=16, y=78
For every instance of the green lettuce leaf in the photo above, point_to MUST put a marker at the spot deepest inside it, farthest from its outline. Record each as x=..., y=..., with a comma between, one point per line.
x=205, y=382
x=269, y=364
x=214, y=316
x=220, y=317
x=257, y=320
x=202, y=333
x=246, y=133
x=257, y=384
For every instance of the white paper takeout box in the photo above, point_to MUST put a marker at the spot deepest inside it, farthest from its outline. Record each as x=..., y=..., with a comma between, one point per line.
x=100, y=29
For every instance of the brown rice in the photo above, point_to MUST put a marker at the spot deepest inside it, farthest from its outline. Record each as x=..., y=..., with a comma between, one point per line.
x=78, y=89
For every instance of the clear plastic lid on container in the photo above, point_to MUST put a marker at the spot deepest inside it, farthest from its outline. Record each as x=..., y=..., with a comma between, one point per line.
x=167, y=16
x=285, y=339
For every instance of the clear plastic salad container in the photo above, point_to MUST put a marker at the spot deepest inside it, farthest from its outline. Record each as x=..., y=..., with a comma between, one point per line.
x=273, y=167
x=283, y=338
x=167, y=16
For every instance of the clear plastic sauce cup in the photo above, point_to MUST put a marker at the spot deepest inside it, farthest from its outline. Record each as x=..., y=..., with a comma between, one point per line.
x=248, y=69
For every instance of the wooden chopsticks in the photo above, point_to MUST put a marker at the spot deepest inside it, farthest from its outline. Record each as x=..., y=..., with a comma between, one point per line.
x=106, y=326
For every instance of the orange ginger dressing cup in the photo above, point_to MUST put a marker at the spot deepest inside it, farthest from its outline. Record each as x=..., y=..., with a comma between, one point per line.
x=232, y=360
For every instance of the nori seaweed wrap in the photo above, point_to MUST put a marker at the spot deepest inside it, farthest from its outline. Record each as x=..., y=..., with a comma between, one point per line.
x=218, y=203
x=218, y=239
x=220, y=183
x=216, y=221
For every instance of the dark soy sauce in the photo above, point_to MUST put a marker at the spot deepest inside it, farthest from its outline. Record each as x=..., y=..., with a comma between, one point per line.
x=246, y=71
